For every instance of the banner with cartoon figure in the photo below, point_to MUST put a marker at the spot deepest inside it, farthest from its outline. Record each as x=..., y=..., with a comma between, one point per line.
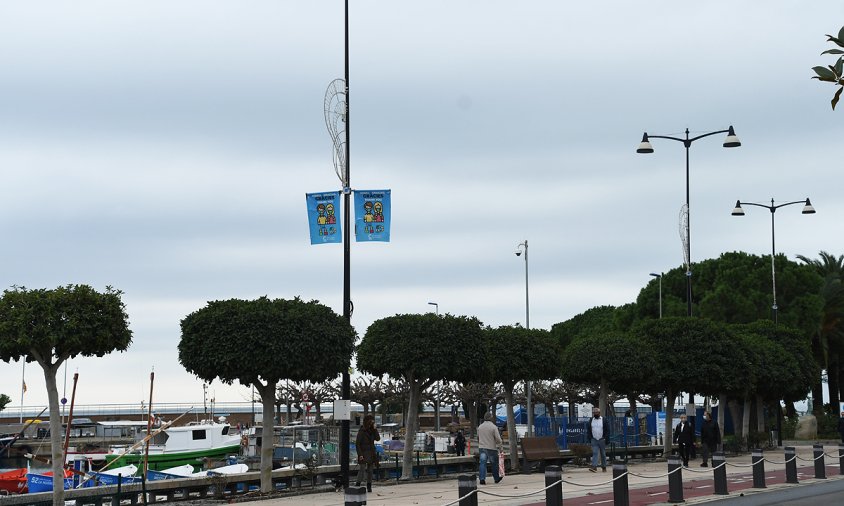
x=372, y=215
x=322, y=217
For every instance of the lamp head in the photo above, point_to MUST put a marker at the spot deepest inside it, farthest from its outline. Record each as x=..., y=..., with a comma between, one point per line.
x=645, y=145
x=518, y=252
x=738, y=211
x=656, y=275
x=808, y=209
x=731, y=141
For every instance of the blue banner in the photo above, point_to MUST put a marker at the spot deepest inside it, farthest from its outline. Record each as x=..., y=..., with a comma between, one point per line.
x=322, y=217
x=372, y=215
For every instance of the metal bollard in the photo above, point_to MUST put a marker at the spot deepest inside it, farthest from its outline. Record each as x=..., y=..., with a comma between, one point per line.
x=620, y=490
x=820, y=467
x=720, y=471
x=758, y=468
x=675, y=479
x=553, y=495
x=355, y=496
x=466, y=485
x=841, y=458
x=790, y=465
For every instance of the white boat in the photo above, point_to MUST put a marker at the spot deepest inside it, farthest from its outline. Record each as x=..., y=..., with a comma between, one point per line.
x=171, y=473
x=217, y=471
x=194, y=444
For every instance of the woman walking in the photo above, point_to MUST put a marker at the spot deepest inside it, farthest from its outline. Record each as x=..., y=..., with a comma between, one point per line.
x=365, y=443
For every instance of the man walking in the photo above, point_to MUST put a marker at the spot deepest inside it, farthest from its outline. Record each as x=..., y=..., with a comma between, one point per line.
x=710, y=437
x=598, y=433
x=684, y=437
x=489, y=443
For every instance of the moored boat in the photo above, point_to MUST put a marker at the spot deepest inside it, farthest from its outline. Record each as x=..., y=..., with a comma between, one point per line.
x=171, y=473
x=193, y=444
x=220, y=471
x=14, y=481
x=123, y=475
x=43, y=482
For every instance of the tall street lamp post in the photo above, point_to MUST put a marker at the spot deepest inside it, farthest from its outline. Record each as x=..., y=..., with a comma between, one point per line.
x=807, y=209
x=436, y=397
x=659, y=277
x=524, y=246
x=731, y=141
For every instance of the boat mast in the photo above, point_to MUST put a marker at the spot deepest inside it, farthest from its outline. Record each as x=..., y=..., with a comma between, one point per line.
x=149, y=422
x=70, y=417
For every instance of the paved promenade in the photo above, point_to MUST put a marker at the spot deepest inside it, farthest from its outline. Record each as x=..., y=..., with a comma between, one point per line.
x=582, y=487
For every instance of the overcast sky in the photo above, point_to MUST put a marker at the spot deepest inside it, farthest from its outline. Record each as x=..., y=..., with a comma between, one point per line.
x=165, y=148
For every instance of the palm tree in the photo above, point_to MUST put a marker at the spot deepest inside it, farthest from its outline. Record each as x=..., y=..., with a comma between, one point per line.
x=828, y=341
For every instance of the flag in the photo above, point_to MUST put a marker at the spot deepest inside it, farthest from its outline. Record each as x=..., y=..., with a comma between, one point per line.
x=372, y=215
x=322, y=217
x=24, y=387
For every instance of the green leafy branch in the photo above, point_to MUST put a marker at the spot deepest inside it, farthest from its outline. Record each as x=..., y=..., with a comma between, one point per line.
x=833, y=73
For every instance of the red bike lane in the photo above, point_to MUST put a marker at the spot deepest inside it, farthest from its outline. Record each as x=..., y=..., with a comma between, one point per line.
x=696, y=487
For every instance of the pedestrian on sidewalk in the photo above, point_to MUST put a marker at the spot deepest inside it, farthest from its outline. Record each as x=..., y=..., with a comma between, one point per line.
x=367, y=457
x=684, y=437
x=489, y=444
x=710, y=437
x=598, y=434
x=460, y=444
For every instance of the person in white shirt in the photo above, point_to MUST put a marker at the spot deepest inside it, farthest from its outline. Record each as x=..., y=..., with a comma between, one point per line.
x=598, y=433
x=489, y=443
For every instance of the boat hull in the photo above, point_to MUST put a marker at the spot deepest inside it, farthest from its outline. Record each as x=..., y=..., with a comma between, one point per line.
x=14, y=482
x=160, y=461
x=44, y=482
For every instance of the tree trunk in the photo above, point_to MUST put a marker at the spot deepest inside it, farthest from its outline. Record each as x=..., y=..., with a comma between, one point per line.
x=832, y=374
x=722, y=415
x=410, y=429
x=790, y=410
x=471, y=409
x=760, y=414
x=817, y=397
x=668, y=437
x=267, y=434
x=56, y=434
x=745, y=420
x=511, y=427
x=602, y=400
x=736, y=414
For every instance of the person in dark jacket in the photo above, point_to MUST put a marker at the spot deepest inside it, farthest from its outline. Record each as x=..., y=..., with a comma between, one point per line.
x=365, y=444
x=684, y=436
x=598, y=435
x=460, y=443
x=710, y=437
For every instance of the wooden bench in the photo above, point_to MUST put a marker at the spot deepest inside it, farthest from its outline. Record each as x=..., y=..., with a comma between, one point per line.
x=541, y=449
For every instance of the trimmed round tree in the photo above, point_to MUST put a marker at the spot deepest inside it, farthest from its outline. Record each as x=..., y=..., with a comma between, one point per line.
x=261, y=342
x=423, y=349
x=613, y=361
x=51, y=326
x=691, y=353
x=516, y=354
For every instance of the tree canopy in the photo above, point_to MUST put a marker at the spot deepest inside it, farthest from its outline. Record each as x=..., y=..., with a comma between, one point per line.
x=260, y=342
x=516, y=354
x=51, y=326
x=423, y=349
x=833, y=73
x=736, y=288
